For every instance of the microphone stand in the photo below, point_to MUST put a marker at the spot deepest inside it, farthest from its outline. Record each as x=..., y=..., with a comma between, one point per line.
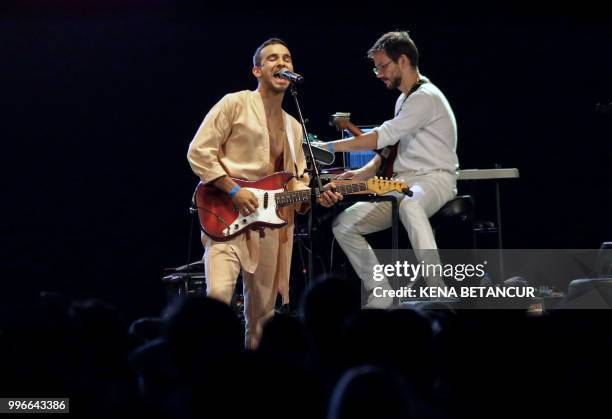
x=314, y=180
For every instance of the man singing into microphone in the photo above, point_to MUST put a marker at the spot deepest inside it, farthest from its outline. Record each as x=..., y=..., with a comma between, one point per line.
x=424, y=128
x=248, y=135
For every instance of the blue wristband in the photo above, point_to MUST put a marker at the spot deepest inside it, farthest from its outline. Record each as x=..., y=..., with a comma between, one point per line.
x=233, y=191
x=330, y=147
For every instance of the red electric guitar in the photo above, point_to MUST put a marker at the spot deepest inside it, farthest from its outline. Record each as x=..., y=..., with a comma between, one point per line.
x=221, y=220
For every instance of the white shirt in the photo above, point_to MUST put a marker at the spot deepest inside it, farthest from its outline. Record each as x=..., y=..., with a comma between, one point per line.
x=426, y=128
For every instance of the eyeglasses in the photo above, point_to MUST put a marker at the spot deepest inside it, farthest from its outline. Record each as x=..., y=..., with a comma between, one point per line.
x=378, y=68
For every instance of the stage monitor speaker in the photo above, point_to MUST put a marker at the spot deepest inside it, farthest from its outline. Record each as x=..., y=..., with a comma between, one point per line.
x=185, y=284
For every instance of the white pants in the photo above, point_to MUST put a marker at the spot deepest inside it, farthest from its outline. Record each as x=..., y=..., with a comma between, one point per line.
x=431, y=190
x=260, y=288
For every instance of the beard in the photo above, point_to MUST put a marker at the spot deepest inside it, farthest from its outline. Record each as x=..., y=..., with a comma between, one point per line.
x=395, y=82
x=274, y=88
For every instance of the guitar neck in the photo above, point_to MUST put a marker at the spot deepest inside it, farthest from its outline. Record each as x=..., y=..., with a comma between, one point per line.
x=342, y=121
x=350, y=127
x=288, y=198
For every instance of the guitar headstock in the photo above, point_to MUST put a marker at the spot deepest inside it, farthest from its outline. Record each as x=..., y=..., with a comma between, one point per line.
x=381, y=186
x=340, y=120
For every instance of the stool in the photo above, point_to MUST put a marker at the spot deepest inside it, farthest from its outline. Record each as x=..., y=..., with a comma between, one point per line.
x=457, y=211
x=460, y=211
x=185, y=284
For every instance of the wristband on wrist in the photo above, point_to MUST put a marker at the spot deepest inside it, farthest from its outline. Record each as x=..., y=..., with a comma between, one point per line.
x=330, y=147
x=233, y=191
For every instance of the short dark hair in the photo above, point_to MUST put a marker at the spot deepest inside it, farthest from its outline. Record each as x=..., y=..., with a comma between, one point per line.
x=271, y=41
x=395, y=44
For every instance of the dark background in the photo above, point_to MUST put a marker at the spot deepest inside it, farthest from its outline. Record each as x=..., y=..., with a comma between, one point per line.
x=99, y=101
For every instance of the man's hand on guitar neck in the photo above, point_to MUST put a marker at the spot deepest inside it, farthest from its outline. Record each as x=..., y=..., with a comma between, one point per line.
x=329, y=197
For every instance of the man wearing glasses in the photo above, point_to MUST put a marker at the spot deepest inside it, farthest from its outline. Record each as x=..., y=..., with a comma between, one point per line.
x=425, y=130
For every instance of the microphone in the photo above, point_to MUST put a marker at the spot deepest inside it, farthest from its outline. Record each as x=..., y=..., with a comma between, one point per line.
x=290, y=75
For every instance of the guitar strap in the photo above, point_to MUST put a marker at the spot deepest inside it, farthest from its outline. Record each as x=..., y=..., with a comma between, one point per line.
x=389, y=153
x=289, y=132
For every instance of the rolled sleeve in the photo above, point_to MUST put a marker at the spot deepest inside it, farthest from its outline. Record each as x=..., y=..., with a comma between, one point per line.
x=415, y=113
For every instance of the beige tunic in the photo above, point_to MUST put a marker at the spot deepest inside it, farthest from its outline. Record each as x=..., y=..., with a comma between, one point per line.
x=234, y=140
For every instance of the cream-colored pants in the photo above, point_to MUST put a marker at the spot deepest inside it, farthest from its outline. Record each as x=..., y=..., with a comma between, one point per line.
x=431, y=190
x=260, y=288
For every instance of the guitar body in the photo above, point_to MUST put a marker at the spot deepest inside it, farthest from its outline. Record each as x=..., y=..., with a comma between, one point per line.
x=222, y=221
x=388, y=156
